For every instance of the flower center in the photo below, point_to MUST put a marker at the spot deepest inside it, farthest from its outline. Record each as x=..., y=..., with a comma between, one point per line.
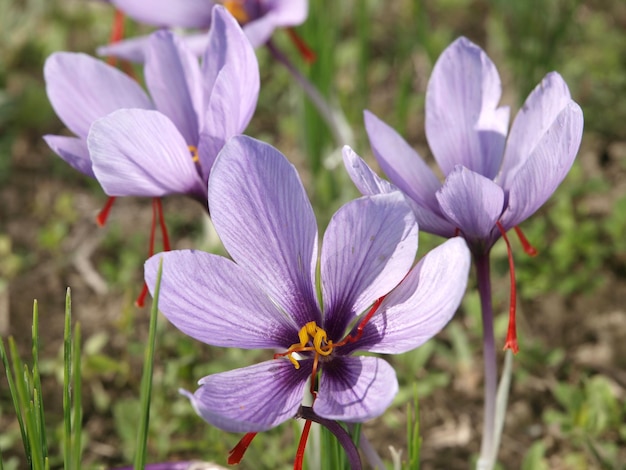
x=236, y=8
x=312, y=338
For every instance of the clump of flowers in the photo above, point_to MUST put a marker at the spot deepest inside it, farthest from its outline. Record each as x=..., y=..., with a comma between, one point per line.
x=371, y=299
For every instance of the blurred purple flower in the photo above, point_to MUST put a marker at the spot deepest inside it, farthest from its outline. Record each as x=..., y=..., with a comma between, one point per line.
x=267, y=297
x=259, y=19
x=489, y=178
x=140, y=146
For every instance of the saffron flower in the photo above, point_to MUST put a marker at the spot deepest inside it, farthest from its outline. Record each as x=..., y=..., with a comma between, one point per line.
x=267, y=297
x=140, y=146
x=259, y=19
x=492, y=183
x=494, y=179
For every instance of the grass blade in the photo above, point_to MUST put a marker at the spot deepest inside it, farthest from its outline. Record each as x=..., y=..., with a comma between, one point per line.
x=67, y=372
x=146, y=378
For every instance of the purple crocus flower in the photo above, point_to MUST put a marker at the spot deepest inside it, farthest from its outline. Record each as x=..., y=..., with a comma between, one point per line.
x=259, y=19
x=141, y=146
x=268, y=298
x=492, y=183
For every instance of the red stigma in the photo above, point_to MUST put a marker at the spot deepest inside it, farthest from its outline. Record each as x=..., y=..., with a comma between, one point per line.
x=236, y=453
x=103, y=215
x=511, y=334
x=117, y=33
x=362, y=324
x=528, y=248
x=305, y=51
x=157, y=213
x=297, y=463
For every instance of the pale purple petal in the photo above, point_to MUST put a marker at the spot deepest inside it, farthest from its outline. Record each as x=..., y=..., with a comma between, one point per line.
x=368, y=183
x=254, y=398
x=464, y=125
x=265, y=220
x=541, y=109
x=132, y=50
x=221, y=121
x=185, y=14
x=277, y=14
x=211, y=299
x=472, y=202
x=82, y=89
x=172, y=74
x=73, y=150
x=403, y=165
x=228, y=48
x=368, y=248
x=355, y=389
x=422, y=304
x=365, y=180
x=546, y=167
x=137, y=152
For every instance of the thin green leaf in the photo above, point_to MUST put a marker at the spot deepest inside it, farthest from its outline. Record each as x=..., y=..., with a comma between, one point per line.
x=146, y=378
x=77, y=403
x=37, y=380
x=67, y=373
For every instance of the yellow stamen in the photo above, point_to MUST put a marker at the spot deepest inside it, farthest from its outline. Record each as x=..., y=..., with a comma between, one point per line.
x=236, y=8
x=194, y=153
x=309, y=333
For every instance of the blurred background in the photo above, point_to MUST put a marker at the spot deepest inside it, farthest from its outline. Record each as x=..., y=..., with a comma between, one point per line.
x=567, y=408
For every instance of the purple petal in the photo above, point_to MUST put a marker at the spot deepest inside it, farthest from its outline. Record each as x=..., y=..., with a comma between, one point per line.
x=368, y=183
x=464, y=125
x=82, y=89
x=228, y=48
x=132, y=50
x=265, y=220
x=541, y=109
x=137, y=152
x=472, y=202
x=213, y=300
x=173, y=77
x=185, y=14
x=422, y=304
x=355, y=389
x=403, y=165
x=546, y=167
x=279, y=14
x=73, y=150
x=254, y=398
x=368, y=248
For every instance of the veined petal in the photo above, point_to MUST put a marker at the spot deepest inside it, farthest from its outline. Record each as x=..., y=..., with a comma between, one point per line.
x=265, y=220
x=73, y=150
x=137, y=152
x=368, y=248
x=213, y=300
x=82, y=89
x=422, y=304
x=221, y=121
x=541, y=109
x=403, y=165
x=185, y=14
x=546, y=167
x=355, y=389
x=290, y=12
x=229, y=49
x=254, y=398
x=369, y=183
x=173, y=77
x=464, y=125
x=472, y=202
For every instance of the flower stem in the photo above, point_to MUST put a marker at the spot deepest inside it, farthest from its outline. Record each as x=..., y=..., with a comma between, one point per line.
x=487, y=451
x=334, y=118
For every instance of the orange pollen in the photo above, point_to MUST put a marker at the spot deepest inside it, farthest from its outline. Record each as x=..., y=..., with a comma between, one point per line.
x=236, y=8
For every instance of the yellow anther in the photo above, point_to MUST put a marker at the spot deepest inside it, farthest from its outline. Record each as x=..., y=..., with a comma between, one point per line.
x=309, y=333
x=236, y=8
x=194, y=153
x=293, y=360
